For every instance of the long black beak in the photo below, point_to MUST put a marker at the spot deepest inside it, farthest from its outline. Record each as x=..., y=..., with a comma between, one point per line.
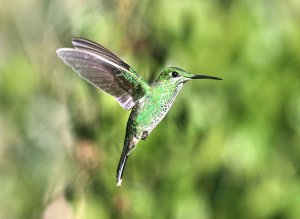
x=205, y=77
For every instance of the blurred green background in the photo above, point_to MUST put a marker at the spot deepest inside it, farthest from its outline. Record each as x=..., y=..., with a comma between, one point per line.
x=227, y=149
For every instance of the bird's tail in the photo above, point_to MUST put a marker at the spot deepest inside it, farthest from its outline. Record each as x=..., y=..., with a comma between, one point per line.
x=121, y=166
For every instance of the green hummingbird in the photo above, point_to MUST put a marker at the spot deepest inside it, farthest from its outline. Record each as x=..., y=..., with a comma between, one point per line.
x=149, y=102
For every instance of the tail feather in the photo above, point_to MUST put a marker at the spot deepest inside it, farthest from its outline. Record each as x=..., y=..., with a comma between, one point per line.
x=122, y=162
x=121, y=166
x=129, y=145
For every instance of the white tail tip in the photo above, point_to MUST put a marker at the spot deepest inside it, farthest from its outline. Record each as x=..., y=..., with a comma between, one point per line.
x=119, y=182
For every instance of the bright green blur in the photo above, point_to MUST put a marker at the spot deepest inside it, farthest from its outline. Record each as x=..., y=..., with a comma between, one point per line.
x=227, y=149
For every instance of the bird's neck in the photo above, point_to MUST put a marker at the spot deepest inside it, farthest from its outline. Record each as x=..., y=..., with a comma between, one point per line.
x=166, y=91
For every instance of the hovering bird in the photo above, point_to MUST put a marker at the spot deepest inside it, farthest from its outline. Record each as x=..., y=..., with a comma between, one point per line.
x=149, y=103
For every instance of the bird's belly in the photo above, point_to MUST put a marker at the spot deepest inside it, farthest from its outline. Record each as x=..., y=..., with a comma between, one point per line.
x=155, y=121
x=151, y=115
x=152, y=109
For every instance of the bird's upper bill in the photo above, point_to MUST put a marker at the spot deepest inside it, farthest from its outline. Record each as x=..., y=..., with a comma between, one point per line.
x=205, y=77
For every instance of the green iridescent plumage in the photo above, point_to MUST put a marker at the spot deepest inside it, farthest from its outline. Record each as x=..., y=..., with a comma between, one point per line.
x=149, y=103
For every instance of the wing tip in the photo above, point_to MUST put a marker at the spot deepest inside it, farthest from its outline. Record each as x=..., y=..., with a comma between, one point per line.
x=61, y=51
x=77, y=41
x=78, y=38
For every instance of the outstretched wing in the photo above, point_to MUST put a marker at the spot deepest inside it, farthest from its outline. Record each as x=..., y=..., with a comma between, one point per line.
x=105, y=70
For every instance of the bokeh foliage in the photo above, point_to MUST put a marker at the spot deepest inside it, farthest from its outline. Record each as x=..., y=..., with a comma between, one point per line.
x=228, y=149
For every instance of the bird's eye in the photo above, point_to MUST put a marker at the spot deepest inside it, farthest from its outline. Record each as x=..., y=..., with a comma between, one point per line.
x=174, y=74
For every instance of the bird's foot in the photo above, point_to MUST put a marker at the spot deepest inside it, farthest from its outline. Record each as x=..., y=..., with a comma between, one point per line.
x=144, y=135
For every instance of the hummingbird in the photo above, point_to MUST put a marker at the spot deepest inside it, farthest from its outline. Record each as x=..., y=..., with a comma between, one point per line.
x=149, y=103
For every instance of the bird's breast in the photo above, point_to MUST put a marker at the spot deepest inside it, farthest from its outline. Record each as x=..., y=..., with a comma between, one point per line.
x=152, y=108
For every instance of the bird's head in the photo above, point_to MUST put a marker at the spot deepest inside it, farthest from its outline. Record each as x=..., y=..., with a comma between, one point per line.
x=178, y=76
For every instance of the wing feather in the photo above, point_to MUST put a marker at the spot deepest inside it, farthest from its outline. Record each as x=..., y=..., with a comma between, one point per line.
x=84, y=44
x=104, y=70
